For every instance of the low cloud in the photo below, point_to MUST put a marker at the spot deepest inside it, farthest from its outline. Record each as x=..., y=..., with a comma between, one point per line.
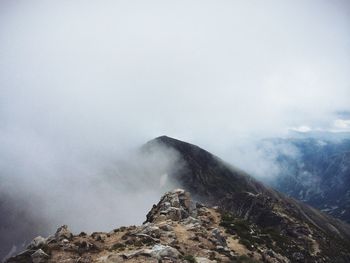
x=303, y=128
x=259, y=157
x=342, y=125
x=43, y=188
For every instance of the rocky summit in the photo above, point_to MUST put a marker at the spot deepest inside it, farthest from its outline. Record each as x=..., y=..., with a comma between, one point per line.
x=177, y=229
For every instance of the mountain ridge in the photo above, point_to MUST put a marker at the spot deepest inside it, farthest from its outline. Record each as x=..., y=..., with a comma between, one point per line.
x=250, y=199
x=264, y=221
x=228, y=173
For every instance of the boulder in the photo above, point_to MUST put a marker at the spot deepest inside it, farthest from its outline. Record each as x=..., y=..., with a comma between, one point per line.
x=37, y=242
x=219, y=238
x=40, y=256
x=63, y=233
x=161, y=251
x=175, y=205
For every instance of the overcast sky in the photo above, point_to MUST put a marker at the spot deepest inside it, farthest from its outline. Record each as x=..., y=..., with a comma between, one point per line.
x=86, y=80
x=126, y=71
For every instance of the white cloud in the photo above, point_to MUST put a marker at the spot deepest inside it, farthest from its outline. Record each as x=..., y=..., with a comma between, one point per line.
x=342, y=125
x=303, y=129
x=338, y=125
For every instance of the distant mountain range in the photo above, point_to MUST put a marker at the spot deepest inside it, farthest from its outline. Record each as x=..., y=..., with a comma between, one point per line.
x=318, y=172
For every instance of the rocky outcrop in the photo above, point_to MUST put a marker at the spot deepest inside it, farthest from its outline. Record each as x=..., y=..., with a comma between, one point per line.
x=175, y=206
x=38, y=249
x=177, y=229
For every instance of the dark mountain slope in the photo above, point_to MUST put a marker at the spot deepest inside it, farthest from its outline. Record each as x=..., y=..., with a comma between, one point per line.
x=216, y=183
x=205, y=174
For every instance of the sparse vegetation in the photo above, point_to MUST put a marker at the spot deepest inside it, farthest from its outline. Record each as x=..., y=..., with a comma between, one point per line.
x=246, y=259
x=190, y=259
x=234, y=225
x=241, y=228
x=252, y=236
x=118, y=246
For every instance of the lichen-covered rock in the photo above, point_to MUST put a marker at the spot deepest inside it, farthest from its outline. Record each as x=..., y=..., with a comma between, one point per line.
x=63, y=233
x=39, y=256
x=161, y=251
x=218, y=237
x=175, y=205
x=37, y=242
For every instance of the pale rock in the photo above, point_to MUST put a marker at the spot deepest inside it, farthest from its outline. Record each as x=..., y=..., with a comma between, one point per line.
x=39, y=256
x=152, y=230
x=63, y=233
x=204, y=260
x=160, y=251
x=166, y=227
x=37, y=242
x=219, y=238
x=65, y=241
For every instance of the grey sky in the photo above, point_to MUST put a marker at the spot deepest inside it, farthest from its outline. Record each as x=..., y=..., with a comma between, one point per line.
x=192, y=69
